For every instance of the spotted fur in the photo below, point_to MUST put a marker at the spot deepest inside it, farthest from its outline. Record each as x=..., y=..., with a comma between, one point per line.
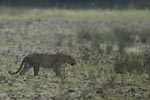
x=38, y=60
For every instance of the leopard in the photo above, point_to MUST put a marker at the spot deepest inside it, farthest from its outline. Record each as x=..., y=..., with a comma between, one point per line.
x=37, y=60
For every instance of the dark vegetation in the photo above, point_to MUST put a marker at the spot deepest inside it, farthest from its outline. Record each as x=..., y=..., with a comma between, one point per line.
x=78, y=3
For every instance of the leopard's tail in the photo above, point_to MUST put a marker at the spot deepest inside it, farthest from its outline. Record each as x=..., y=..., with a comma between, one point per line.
x=21, y=66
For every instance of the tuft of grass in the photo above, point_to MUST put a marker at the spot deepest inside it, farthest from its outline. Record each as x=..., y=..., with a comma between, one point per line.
x=123, y=38
x=133, y=62
x=145, y=37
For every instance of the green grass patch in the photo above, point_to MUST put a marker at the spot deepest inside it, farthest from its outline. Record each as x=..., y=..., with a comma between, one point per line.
x=8, y=14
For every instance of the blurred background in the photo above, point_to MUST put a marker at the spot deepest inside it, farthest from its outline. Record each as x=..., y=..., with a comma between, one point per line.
x=74, y=4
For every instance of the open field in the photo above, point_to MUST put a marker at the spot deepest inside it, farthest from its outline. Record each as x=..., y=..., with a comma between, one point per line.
x=110, y=46
x=74, y=15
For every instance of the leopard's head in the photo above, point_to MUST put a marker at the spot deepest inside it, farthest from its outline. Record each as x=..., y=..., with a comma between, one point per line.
x=68, y=59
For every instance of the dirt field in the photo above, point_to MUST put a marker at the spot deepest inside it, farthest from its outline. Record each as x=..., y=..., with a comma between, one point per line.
x=85, y=81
